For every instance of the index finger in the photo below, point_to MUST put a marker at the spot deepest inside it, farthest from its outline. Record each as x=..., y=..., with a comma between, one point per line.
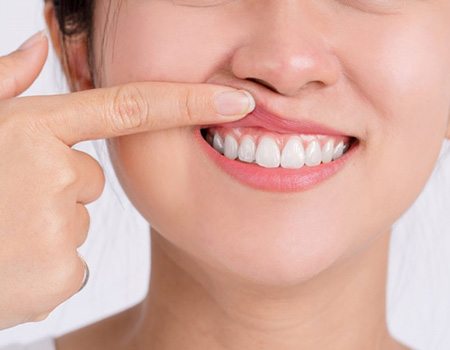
x=133, y=108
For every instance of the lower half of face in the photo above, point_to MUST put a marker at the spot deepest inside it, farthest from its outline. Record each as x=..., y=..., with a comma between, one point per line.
x=268, y=237
x=174, y=177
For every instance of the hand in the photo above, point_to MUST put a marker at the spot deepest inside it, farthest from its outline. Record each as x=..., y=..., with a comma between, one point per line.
x=45, y=184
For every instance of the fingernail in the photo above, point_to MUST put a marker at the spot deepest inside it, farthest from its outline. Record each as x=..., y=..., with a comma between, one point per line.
x=35, y=39
x=233, y=103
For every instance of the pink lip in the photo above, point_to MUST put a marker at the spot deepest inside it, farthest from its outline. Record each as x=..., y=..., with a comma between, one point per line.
x=274, y=179
x=261, y=117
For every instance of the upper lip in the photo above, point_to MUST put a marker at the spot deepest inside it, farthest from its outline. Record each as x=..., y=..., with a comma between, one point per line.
x=262, y=116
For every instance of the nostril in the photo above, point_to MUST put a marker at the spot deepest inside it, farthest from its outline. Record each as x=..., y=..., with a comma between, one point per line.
x=263, y=82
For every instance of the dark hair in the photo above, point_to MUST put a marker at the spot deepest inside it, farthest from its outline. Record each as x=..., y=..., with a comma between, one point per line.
x=76, y=19
x=74, y=16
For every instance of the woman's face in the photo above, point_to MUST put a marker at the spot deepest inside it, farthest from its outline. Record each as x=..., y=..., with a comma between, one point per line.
x=377, y=70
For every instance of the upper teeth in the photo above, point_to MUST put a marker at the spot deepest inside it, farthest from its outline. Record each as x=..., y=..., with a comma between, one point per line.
x=298, y=150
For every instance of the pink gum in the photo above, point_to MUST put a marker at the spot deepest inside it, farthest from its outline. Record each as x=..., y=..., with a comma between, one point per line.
x=281, y=139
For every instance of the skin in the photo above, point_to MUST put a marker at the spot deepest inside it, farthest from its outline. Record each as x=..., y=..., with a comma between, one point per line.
x=46, y=184
x=224, y=276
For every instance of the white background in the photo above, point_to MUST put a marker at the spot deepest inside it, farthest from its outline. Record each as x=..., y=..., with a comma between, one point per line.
x=117, y=249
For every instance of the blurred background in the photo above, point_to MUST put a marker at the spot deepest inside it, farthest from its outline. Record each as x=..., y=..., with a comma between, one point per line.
x=117, y=249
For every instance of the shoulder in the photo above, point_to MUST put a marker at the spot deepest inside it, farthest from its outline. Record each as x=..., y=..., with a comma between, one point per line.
x=47, y=343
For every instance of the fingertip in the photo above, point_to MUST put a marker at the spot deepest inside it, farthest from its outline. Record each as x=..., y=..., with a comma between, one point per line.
x=33, y=41
x=22, y=67
x=234, y=103
x=252, y=102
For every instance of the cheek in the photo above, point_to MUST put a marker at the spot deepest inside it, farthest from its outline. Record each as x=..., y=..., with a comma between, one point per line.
x=402, y=71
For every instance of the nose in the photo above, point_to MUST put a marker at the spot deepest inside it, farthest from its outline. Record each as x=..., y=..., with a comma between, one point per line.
x=287, y=50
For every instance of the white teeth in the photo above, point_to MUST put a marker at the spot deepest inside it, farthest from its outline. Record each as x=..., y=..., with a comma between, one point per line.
x=218, y=143
x=327, y=151
x=293, y=155
x=308, y=138
x=313, y=155
x=246, y=151
x=338, y=150
x=230, y=147
x=268, y=153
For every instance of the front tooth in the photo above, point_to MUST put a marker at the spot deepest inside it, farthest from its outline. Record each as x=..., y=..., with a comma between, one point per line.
x=268, y=153
x=313, y=154
x=218, y=143
x=307, y=138
x=339, y=150
x=293, y=155
x=246, y=151
x=230, y=147
x=327, y=151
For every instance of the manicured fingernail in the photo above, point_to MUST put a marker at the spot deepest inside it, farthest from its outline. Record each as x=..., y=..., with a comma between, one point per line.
x=233, y=103
x=35, y=39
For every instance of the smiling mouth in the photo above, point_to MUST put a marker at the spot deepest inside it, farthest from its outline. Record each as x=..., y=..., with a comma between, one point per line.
x=270, y=149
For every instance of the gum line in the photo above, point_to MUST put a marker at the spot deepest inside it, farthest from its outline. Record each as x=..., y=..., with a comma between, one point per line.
x=280, y=139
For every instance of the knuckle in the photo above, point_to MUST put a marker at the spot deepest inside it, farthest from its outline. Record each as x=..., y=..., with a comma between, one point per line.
x=93, y=170
x=66, y=277
x=66, y=177
x=54, y=240
x=85, y=221
x=99, y=178
x=129, y=108
x=187, y=106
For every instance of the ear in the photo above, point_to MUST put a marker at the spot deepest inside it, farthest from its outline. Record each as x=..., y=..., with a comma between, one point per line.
x=72, y=52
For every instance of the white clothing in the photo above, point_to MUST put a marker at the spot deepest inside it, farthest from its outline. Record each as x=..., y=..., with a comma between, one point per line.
x=41, y=344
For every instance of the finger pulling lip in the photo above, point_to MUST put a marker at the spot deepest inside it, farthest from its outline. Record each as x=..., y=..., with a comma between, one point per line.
x=263, y=118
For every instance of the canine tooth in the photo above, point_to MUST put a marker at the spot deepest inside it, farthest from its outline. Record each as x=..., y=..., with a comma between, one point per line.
x=313, y=154
x=247, y=149
x=268, y=153
x=218, y=143
x=230, y=147
x=338, y=151
x=327, y=151
x=293, y=155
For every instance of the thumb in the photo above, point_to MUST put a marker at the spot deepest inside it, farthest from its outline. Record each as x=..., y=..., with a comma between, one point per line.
x=19, y=69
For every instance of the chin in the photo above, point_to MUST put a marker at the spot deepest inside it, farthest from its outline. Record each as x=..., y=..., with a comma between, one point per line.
x=255, y=257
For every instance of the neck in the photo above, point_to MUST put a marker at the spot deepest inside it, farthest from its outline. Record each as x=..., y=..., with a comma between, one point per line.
x=191, y=307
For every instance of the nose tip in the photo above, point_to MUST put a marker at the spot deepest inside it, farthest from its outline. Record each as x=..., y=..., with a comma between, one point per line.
x=285, y=73
x=289, y=53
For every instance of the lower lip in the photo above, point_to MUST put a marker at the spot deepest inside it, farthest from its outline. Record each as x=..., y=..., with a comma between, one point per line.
x=275, y=179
